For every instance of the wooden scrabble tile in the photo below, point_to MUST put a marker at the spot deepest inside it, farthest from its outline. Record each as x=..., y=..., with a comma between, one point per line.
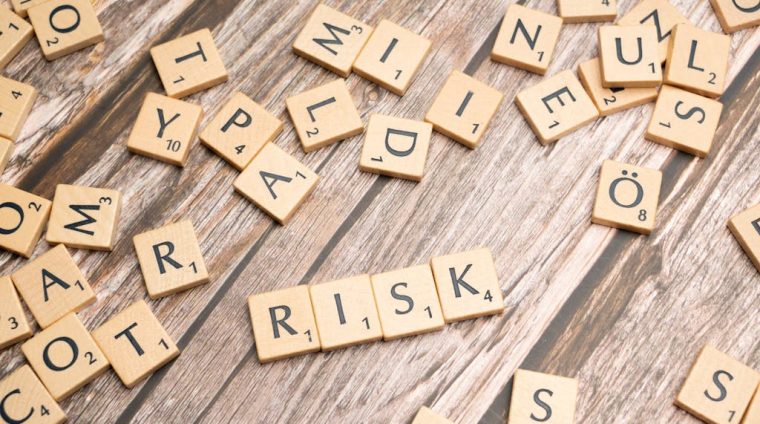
x=189, y=64
x=629, y=56
x=396, y=147
x=464, y=108
x=746, y=228
x=735, y=15
x=276, y=182
x=324, y=115
x=21, y=6
x=26, y=400
x=15, y=32
x=698, y=60
x=283, y=323
x=427, y=416
x=332, y=39
x=526, y=39
x=65, y=357
x=611, y=100
x=6, y=150
x=660, y=13
x=572, y=11
x=538, y=397
x=16, y=100
x=467, y=285
x=84, y=217
x=240, y=130
x=345, y=312
x=23, y=217
x=135, y=343
x=165, y=129
x=752, y=416
x=718, y=388
x=684, y=121
x=170, y=259
x=627, y=197
x=65, y=26
x=13, y=324
x=556, y=106
x=392, y=56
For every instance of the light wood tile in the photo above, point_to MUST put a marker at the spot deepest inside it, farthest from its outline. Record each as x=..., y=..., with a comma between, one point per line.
x=538, y=397
x=13, y=324
x=629, y=56
x=16, y=100
x=611, y=100
x=22, y=6
x=746, y=228
x=752, y=416
x=574, y=11
x=65, y=26
x=84, y=217
x=660, y=13
x=698, y=60
x=27, y=400
x=426, y=416
x=396, y=147
x=6, y=150
x=15, y=32
x=23, y=216
x=735, y=15
x=527, y=39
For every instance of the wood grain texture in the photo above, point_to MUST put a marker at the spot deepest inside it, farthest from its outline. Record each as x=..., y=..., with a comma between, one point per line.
x=625, y=314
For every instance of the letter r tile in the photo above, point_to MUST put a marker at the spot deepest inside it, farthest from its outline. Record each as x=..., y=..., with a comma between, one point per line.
x=538, y=397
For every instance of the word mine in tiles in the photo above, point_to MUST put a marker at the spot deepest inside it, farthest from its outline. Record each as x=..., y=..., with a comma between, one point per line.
x=15, y=33
x=84, y=217
x=539, y=398
x=527, y=39
x=24, y=216
x=26, y=400
x=396, y=147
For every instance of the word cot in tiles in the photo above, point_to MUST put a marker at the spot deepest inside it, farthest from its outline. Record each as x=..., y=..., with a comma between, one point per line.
x=14, y=34
x=629, y=56
x=26, y=400
x=746, y=228
x=13, y=324
x=16, y=100
x=396, y=147
x=538, y=397
x=23, y=217
x=627, y=197
x=698, y=60
x=660, y=13
x=84, y=217
x=614, y=99
x=572, y=11
x=65, y=26
x=527, y=39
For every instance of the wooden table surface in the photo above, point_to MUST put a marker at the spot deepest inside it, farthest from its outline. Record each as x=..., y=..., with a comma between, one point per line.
x=623, y=313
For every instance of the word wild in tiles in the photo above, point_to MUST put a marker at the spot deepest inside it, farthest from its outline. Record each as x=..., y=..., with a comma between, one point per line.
x=16, y=100
x=16, y=32
x=25, y=399
x=65, y=26
x=629, y=56
x=527, y=39
x=84, y=217
x=660, y=13
x=698, y=60
x=538, y=397
x=627, y=197
x=735, y=15
x=13, y=324
x=24, y=216
x=396, y=147
x=426, y=416
x=746, y=228
x=615, y=99
x=574, y=11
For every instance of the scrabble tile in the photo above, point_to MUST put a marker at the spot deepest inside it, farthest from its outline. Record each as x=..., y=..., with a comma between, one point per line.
x=735, y=15
x=21, y=6
x=407, y=302
x=13, y=324
x=718, y=388
x=240, y=130
x=660, y=13
x=572, y=11
x=746, y=228
x=84, y=217
x=276, y=182
x=538, y=397
x=65, y=357
x=16, y=100
x=392, y=56
x=135, y=343
x=22, y=218
x=526, y=39
x=752, y=416
x=27, y=400
x=467, y=285
x=332, y=39
x=427, y=416
x=6, y=150
x=464, y=108
x=15, y=32
x=556, y=107
x=65, y=26
x=345, y=312
x=627, y=197
x=189, y=64
x=684, y=121
x=324, y=115
x=611, y=100
x=283, y=323
x=396, y=147
x=629, y=56
x=170, y=259
x=698, y=60
x=165, y=129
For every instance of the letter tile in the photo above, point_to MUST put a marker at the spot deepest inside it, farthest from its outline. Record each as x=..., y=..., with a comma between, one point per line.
x=627, y=197
x=16, y=100
x=6, y=150
x=13, y=324
x=427, y=416
x=752, y=416
x=396, y=147
x=23, y=399
x=611, y=100
x=660, y=13
x=65, y=26
x=629, y=56
x=735, y=15
x=527, y=39
x=574, y=11
x=22, y=6
x=22, y=218
x=538, y=397
x=698, y=60
x=84, y=217
x=746, y=228
x=16, y=32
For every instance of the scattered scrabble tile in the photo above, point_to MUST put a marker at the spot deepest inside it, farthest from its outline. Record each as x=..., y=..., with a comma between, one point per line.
x=572, y=11
x=660, y=13
x=684, y=120
x=16, y=100
x=13, y=324
x=15, y=32
x=276, y=182
x=698, y=60
x=463, y=109
x=718, y=388
x=65, y=26
x=396, y=147
x=538, y=397
x=189, y=64
x=26, y=400
x=611, y=100
x=332, y=39
x=345, y=312
x=22, y=218
x=392, y=57
x=135, y=343
x=629, y=56
x=752, y=416
x=735, y=15
x=65, y=357
x=240, y=130
x=84, y=217
x=6, y=150
x=324, y=115
x=52, y=286
x=467, y=285
x=283, y=323
x=427, y=416
x=526, y=39
x=21, y=6
x=170, y=259
x=627, y=198
x=746, y=228
x=556, y=107
x=164, y=129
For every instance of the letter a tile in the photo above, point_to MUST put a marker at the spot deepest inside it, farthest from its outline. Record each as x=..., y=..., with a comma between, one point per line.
x=660, y=13
x=84, y=217
x=65, y=26
x=573, y=11
x=16, y=32
x=698, y=60
x=396, y=147
x=735, y=15
x=627, y=197
x=538, y=397
x=27, y=400
x=13, y=324
x=629, y=56
x=526, y=39
x=611, y=100
x=427, y=416
x=22, y=218
x=16, y=100
x=746, y=228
